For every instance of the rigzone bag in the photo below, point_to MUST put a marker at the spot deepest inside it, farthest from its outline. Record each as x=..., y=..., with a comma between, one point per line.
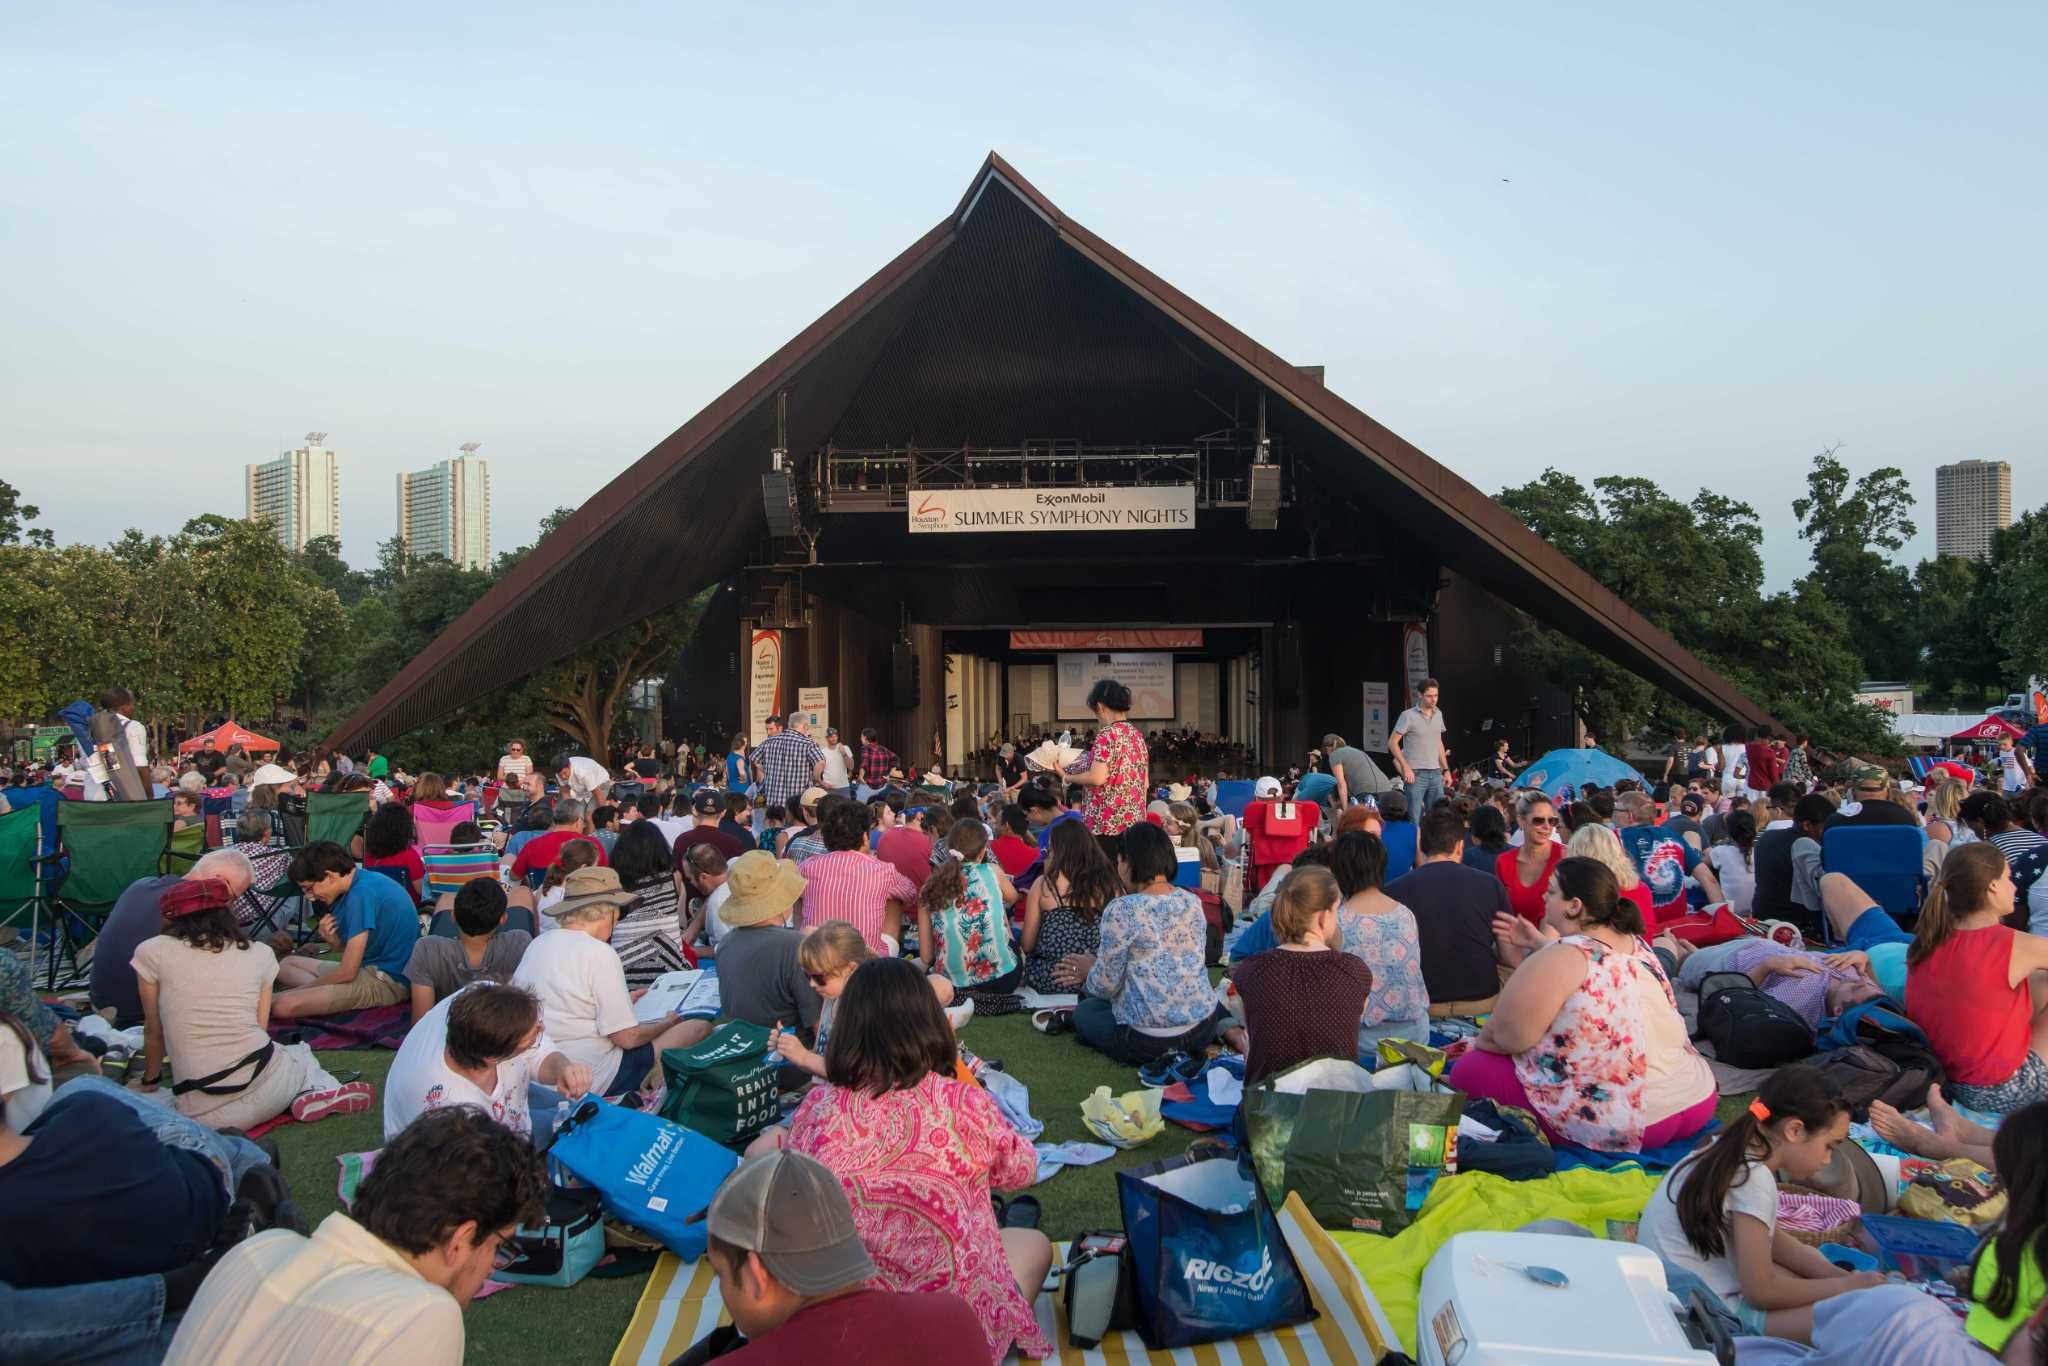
x=1207, y=1256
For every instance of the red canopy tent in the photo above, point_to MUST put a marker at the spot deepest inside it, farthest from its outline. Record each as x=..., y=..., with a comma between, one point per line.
x=226, y=735
x=1992, y=728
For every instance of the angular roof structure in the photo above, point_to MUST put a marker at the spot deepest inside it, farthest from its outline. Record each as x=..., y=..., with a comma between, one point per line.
x=1004, y=309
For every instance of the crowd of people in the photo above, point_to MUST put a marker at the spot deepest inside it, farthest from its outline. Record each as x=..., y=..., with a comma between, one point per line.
x=860, y=909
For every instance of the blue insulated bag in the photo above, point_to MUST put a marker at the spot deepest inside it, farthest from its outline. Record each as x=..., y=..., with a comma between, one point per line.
x=1209, y=1259
x=652, y=1174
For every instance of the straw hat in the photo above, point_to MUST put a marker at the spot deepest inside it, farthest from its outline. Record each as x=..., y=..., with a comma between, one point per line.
x=591, y=887
x=1178, y=792
x=760, y=889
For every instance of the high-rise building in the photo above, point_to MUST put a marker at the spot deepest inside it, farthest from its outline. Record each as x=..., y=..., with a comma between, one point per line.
x=445, y=510
x=1972, y=503
x=298, y=494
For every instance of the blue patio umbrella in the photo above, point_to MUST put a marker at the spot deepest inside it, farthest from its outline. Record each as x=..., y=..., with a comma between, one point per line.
x=1575, y=768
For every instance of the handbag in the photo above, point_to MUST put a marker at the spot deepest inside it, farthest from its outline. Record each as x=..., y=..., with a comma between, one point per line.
x=566, y=1245
x=650, y=1173
x=726, y=1087
x=1208, y=1259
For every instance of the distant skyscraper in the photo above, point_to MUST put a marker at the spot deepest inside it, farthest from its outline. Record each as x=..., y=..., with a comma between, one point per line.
x=298, y=494
x=445, y=510
x=1972, y=503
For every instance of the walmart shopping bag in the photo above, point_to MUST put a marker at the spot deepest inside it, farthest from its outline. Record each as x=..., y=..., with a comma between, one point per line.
x=725, y=1087
x=652, y=1174
x=1208, y=1257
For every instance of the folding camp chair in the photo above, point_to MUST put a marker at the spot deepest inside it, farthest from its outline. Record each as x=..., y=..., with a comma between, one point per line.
x=442, y=926
x=451, y=866
x=336, y=816
x=184, y=849
x=111, y=845
x=272, y=894
x=29, y=873
x=436, y=825
x=1234, y=796
x=1884, y=860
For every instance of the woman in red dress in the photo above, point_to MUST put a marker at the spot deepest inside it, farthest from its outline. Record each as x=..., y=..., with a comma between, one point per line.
x=1118, y=768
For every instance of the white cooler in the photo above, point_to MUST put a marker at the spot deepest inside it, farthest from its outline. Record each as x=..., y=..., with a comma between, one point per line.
x=1479, y=1308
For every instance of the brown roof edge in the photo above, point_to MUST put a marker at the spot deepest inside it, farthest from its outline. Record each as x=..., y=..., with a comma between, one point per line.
x=1431, y=480
x=670, y=454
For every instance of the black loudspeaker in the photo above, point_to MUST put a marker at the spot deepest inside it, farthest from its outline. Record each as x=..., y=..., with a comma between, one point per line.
x=903, y=680
x=779, y=503
x=1286, y=666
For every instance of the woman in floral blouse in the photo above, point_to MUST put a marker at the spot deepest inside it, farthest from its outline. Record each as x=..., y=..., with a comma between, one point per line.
x=1118, y=767
x=1380, y=931
x=1147, y=991
x=919, y=1152
x=1587, y=1033
x=962, y=933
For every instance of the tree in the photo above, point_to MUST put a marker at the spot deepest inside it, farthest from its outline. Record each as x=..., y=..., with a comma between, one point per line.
x=15, y=516
x=1954, y=601
x=2019, y=596
x=587, y=695
x=1851, y=527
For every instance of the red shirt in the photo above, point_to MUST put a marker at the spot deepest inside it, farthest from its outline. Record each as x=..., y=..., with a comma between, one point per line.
x=909, y=850
x=1766, y=765
x=1640, y=894
x=542, y=850
x=1977, y=1021
x=1014, y=853
x=872, y=1328
x=1527, y=900
x=407, y=858
x=848, y=885
x=1118, y=803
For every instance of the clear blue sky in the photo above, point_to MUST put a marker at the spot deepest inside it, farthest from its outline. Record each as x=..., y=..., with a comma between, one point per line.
x=1727, y=237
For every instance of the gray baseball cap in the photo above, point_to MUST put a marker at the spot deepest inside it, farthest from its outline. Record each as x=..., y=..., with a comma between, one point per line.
x=791, y=1211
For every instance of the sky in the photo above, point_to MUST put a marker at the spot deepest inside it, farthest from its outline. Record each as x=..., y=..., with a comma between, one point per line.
x=1698, y=243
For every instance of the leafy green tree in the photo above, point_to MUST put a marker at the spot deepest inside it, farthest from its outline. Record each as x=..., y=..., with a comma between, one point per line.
x=2018, y=611
x=15, y=516
x=1955, y=604
x=1854, y=528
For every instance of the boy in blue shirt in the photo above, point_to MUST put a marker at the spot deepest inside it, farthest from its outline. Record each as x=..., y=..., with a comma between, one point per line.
x=371, y=921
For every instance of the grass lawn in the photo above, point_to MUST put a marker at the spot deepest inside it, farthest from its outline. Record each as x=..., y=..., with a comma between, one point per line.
x=584, y=1324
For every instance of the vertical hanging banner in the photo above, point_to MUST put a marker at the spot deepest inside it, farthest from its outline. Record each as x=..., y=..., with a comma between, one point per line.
x=815, y=706
x=764, y=683
x=1415, y=656
x=1373, y=735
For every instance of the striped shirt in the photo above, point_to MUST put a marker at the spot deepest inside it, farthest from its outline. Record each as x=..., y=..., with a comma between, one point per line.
x=513, y=768
x=851, y=886
x=648, y=937
x=2017, y=841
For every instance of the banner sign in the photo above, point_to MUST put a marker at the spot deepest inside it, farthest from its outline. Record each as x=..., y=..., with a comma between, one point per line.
x=1373, y=737
x=1150, y=677
x=764, y=683
x=1105, y=640
x=1415, y=653
x=1150, y=507
x=814, y=706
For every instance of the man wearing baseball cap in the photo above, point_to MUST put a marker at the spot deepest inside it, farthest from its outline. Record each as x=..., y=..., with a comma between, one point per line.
x=707, y=806
x=794, y=1276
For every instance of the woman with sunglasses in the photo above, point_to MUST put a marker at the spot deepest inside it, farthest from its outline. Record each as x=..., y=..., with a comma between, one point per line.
x=1526, y=871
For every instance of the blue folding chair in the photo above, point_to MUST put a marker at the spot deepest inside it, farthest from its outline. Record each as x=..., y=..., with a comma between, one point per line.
x=1884, y=860
x=1234, y=796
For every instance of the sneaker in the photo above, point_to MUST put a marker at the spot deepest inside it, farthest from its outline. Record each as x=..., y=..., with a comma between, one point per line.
x=960, y=1014
x=352, y=1099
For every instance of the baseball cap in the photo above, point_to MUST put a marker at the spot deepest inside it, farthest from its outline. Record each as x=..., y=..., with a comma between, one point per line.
x=791, y=1211
x=707, y=800
x=1266, y=787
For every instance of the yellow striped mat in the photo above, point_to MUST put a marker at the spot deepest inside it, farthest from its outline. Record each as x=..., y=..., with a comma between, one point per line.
x=681, y=1305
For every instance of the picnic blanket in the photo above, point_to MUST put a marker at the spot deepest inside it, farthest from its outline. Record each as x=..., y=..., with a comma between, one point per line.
x=681, y=1304
x=1474, y=1201
x=377, y=1027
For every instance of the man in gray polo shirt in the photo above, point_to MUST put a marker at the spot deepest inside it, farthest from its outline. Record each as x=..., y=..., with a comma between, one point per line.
x=1358, y=777
x=1419, y=752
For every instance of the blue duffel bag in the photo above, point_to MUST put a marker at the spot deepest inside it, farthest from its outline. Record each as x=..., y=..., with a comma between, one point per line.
x=652, y=1174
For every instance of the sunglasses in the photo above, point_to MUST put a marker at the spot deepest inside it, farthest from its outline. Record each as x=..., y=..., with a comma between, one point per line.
x=1542, y=820
x=818, y=979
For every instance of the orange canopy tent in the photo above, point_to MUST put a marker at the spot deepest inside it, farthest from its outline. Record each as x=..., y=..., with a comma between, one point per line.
x=226, y=735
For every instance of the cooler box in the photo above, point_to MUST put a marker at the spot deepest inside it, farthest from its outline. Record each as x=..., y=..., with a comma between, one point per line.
x=1188, y=871
x=1478, y=1307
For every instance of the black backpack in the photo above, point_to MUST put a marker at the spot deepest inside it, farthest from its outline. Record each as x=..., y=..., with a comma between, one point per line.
x=1918, y=1068
x=1749, y=1027
x=1862, y=1074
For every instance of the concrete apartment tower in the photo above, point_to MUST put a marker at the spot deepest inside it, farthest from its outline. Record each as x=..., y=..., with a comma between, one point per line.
x=298, y=494
x=445, y=510
x=1972, y=503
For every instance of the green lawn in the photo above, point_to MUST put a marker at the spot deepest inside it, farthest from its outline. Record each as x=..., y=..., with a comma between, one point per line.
x=540, y=1325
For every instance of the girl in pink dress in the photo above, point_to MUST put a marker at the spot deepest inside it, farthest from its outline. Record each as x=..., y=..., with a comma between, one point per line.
x=919, y=1152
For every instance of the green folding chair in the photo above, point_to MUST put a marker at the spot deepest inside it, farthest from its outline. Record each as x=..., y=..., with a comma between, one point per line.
x=28, y=872
x=336, y=816
x=184, y=849
x=112, y=845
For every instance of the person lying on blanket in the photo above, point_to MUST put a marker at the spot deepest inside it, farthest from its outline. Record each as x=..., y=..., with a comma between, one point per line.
x=482, y=1047
x=1817, y=985
x=387, y=1280
x=795, y=1277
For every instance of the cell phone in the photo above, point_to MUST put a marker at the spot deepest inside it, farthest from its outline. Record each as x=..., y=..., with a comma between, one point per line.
x=1102, y=1243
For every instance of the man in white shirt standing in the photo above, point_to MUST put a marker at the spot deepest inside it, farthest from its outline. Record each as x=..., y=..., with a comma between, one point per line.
x=1419, y=752
x=582, y=778
x=389, y=1279
x=119, y=703
x=837, y=774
